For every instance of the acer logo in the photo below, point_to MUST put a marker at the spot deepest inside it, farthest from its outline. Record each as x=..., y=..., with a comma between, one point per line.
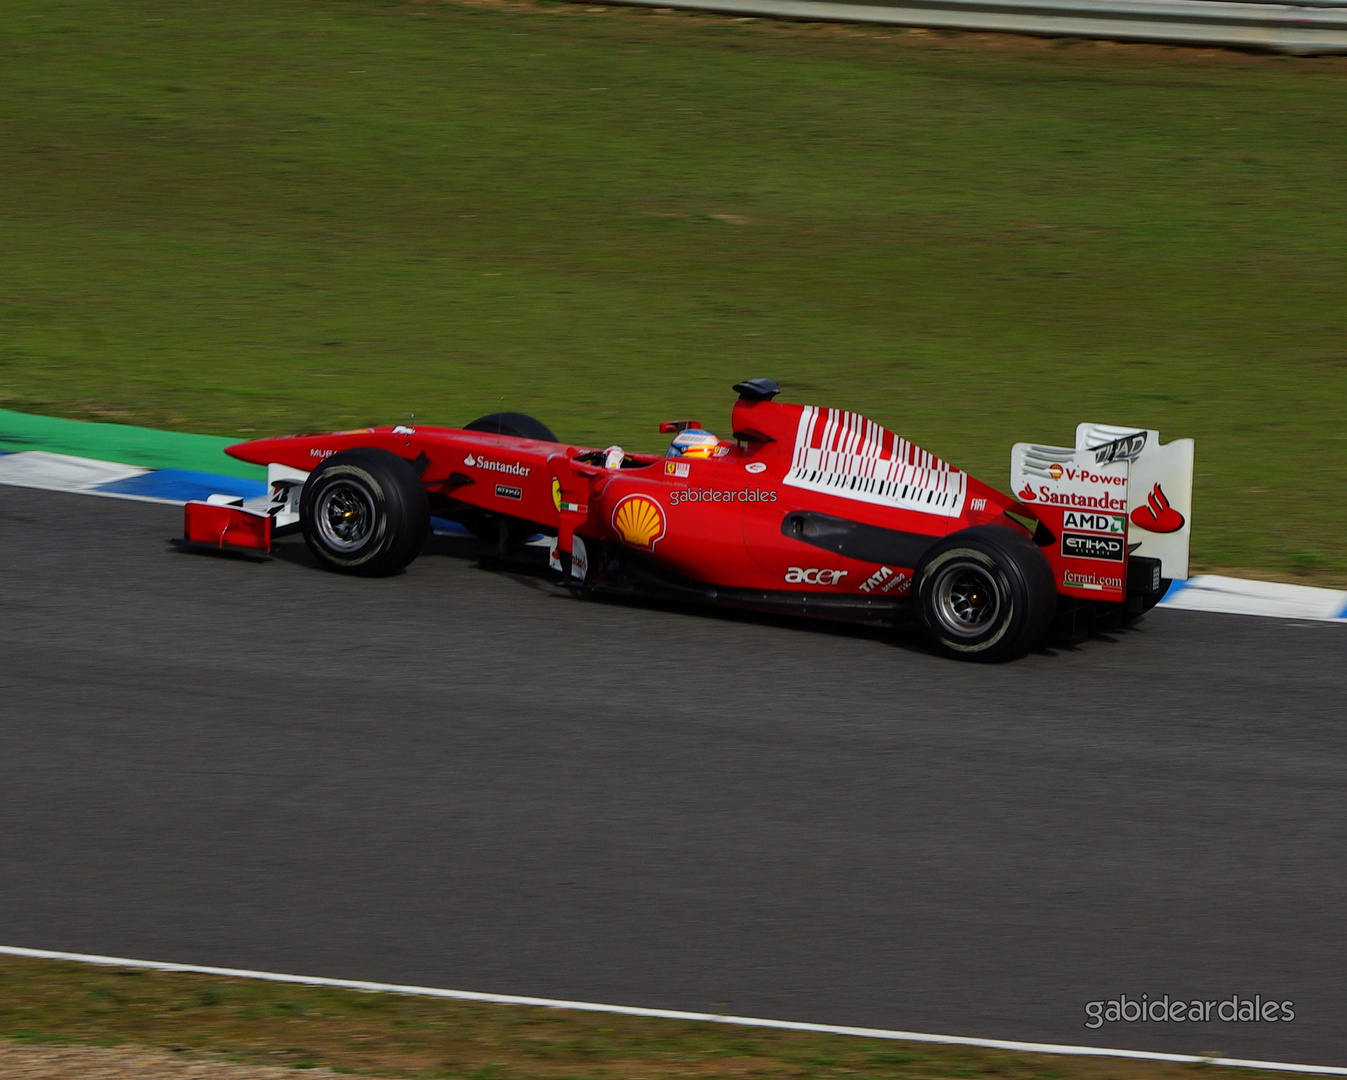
x=797, y=576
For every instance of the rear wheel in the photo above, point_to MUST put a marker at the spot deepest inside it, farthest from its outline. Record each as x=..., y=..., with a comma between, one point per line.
x=364, y=512
x=512, y=423
x=985, y=593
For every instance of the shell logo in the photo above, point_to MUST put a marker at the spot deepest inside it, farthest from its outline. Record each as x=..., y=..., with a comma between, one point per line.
x=1055, y=471
x=639, y=521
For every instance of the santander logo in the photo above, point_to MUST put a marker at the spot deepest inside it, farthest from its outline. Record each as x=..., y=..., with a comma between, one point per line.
x=1157, y=515
x=1028, y=494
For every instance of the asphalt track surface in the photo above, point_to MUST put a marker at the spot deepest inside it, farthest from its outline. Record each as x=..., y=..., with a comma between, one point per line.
x=461, y=778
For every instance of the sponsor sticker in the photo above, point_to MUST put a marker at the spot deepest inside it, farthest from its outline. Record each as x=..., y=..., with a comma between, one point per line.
x=1157, y=515
x=1090, y=581
x=900, y=584
x=879, y=576
x=976, y=505
x=504, y=491
x=756, y=467
x=1105, y=500
x=689, y=495
x=639, y=521
x=1093, y=546
x=1128, y=448
x=677, y=468
x=321, y=453
x=476, y=461
x=796, y=575
x=1081, y=521
x=887, y=580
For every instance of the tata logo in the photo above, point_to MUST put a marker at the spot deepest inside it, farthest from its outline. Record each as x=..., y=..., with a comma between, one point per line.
x=797, y=576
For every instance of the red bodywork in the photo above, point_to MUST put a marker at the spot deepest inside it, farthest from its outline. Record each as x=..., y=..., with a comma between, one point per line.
x=806, y=500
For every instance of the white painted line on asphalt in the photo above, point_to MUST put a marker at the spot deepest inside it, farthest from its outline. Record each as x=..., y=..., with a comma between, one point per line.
x=61, y=472
x=671, y=1014
x=1270, y=599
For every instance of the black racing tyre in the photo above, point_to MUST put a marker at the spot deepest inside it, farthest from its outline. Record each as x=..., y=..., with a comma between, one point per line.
x=512, y=423
x=985, y=593
x=364, y=512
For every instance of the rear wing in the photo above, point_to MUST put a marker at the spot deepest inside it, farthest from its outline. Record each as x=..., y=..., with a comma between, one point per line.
x=1117, y=494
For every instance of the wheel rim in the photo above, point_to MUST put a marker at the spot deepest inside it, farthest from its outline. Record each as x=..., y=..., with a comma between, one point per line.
x=966, y=599
x=345, y=516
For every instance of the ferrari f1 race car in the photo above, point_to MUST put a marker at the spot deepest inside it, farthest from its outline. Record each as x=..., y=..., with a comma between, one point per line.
x=806, y=510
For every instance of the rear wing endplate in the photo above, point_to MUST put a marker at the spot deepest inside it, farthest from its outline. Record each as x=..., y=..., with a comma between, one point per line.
x=1117, y=494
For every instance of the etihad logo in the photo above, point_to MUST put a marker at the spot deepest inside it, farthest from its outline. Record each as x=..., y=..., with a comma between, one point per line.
x=1128, y=448
x=478, y=462
x=639, y=521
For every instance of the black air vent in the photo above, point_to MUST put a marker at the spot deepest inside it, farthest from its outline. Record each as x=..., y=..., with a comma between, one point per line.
x=866, y=543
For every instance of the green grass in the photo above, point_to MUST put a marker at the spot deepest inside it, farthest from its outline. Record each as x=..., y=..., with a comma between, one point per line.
x=387, y=1034
x=272, y=215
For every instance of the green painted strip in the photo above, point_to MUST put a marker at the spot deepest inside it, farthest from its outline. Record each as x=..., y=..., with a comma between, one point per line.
x=146, y=447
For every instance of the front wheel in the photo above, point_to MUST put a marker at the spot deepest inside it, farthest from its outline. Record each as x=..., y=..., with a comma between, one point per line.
x=985, y=593
x=364, y=512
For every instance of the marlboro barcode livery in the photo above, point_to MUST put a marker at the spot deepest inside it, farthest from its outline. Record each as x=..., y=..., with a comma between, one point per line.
x=803, y=510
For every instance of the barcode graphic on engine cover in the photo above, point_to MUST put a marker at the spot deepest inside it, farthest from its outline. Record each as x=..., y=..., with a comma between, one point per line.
x=842, y=453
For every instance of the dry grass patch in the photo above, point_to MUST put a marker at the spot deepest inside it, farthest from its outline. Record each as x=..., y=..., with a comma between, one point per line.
x=202, y=1018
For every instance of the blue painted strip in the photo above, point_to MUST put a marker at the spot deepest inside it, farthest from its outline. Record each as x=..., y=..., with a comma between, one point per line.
x=1175, y=587
x=444, y=527
x=181, y=485
x=1342, y=614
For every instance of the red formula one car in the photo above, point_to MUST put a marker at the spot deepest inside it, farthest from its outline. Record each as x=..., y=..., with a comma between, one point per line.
x=807, y=511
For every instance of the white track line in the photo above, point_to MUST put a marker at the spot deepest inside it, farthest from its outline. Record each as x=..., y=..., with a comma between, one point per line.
x=672, y=1014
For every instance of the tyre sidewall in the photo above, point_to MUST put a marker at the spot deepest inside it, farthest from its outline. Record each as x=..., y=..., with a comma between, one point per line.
x=1022, y=578
x=401, y=516
x=1010, y=600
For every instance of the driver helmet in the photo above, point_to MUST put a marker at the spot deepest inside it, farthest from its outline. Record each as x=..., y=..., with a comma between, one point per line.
x=694, y=443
